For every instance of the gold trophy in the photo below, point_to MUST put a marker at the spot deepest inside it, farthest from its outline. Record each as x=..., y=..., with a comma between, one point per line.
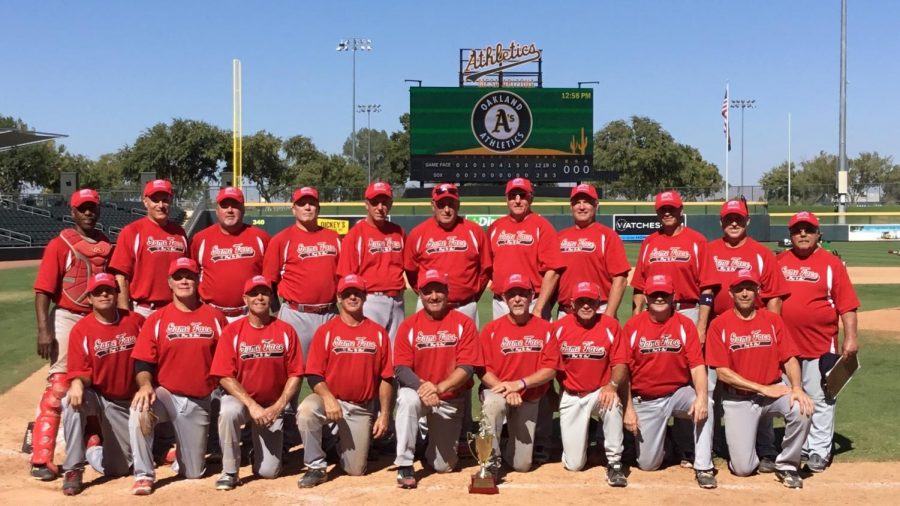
x=483, y=481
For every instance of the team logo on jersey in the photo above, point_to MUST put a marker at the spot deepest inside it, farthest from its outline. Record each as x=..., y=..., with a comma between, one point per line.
x=673, y=254
x=388, y=245
x=356, y=345
x=756, y=339
x=665, y=344
x=528, y=344
x=122, y=342
x=584, y=351
x=802, y=274
x=170, y=244
x=579, y=246
x=519, y=238
x=235, y=252
x=449, y=245
x=320, y=249
x=501, y=121
x=266, y=349
x=193, y=330
x=443, y=339
x=732, y=264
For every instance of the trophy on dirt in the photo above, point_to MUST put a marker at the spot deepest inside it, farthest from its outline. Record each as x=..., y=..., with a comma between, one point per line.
x=483, y=481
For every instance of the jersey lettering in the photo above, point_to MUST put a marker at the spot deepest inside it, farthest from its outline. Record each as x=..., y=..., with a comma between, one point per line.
x=121, y=342
x=528, y=344
x=449, y=245
x=756, y=339
x=443, y=339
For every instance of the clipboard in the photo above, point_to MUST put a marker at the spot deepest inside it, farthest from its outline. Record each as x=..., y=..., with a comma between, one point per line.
x=840, y=374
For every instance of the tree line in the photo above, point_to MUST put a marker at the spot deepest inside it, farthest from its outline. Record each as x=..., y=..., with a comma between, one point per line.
x=815, y=180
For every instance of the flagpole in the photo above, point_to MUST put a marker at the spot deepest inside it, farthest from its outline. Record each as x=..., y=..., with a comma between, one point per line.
x=727, y=138
x=789, y=160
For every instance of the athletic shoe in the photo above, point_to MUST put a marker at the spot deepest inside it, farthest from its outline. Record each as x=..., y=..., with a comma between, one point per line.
x=406, y=478
x=72, y=482
x=706, y=479
x=312, y=478
x=816, y=464
x=171, y=455
x=615, y=475
x=766, y=465
x=228, y=481
x=44, y=472
x=790, y=479
x=142, y=486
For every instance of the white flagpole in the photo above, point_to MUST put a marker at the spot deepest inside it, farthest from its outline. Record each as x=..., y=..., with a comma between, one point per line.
x=789, y=160
x=727, y=137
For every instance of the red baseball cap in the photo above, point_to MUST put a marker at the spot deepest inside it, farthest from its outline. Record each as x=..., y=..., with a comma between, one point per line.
x=804, y=217
x=256, y=281
x=379, y=188
x=157, y=186
x=351, y=281
x=744, y=275
x=733, y=207
x=230, y=192
x=433, y=276
x=518, y=281
x=586, y=290
x=84, y=195
x=183, y=264
x=519, y=183
x=584, y=189
x=659, y=283
x=443, y=190
x=306, y=191
x=102, y=279
x=668, y=198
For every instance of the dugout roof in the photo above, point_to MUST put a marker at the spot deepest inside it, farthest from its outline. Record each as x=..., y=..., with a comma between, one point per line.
x=10, y=138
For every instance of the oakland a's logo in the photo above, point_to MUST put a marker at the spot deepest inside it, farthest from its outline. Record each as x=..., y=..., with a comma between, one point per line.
x=501, y=121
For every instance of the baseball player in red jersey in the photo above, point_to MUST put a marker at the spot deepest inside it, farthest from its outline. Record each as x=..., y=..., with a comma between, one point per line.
x=174, y=351
x=750, y=347
x=145, y=249
x=821, y=294
x=303, y=260
x=668, y=377
x=435, y=354
x=259, y=364
x=523, y=242
x=450, y=244
x=591, y=251
x=68, y=262
x=228, y=252
x=593, y=366
x=373, y=249
x=101, y=371
x=520, y=360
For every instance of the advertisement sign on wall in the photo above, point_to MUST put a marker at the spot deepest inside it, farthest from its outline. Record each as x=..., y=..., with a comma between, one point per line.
x=879, y=232
x=636, y=227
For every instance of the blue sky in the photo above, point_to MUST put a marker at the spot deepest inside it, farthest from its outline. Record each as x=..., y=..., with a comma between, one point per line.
x=102, y=72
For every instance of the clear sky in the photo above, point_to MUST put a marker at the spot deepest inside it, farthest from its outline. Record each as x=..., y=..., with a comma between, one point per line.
x=102, y=72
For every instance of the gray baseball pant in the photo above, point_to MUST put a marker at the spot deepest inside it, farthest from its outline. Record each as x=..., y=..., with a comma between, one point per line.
x=574, y=419
x=444, y=426
x=821, y=430
x=743, y=415
x=267, y=441
x=652, y=418
x=190, y=419
x=63, y=321
x=354, y=433
x=386, y=311
x=305, y=324
x=520, y=425
x=114, y=457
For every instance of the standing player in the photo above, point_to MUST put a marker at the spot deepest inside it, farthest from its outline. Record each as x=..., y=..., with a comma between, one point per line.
x=749, y=348
x=145, y=249
x=821, y=294
x=349, y=365
x=228, y=252
x=373, y=249
x=668, y=377
x=175, y=351
x=523, y=242
x=435, y=354
x=593, y=366
x=68, y=262
x=303, y=260
x=520, y=359
x=259, y=365
x=100, y=370
x=591, y=251
x=450, y=244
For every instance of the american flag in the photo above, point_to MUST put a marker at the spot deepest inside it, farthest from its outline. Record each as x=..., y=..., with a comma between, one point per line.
x=725, y=119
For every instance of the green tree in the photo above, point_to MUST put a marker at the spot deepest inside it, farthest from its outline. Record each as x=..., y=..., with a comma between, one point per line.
x=380, y=145
x=106, y=173
x=35, y=165
x=398, y=153
x=868, y=170
x=335, y=176
x=264, y=166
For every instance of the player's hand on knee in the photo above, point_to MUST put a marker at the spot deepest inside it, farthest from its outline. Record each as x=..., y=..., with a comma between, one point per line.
x=258, y=414
x=380, y=427
x=432, y=400
x=609, y=397
x=630, y=421
x=426, y=389
x=806, y=404
x=76, y=395
x=775, y=391
x=699, y=409
x=333, y=411
x=514, y=399
x=144, y=398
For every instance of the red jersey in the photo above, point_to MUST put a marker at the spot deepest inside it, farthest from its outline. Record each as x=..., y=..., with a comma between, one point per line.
x=144, y=251
x=102, y=352
x=351, y=359
x=512, y=352
x=434, y=348
x=304, y=264
x=376, y=255
x=527, y=247
x=755, y=348
x=679, y=256
x=462, y=253
x=226, y=261
x=261, y=360
x=723, y=263
x=587, y=355
x=661, y=355
x=592, y=253
x=181, y=344
x=57, y=259
x=821, y=291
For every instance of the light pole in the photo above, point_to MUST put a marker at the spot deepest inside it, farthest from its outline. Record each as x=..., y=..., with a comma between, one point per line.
x=417, y=81
x=588, y=82
x=354, y=44
x=742, y=104
x=369, y=109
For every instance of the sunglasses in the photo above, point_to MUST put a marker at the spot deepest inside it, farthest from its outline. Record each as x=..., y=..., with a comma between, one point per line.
x=178, y=276
x=444, y=191
x=809, y=229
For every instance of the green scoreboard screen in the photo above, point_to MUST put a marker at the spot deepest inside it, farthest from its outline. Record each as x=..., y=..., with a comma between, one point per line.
x=496, y=134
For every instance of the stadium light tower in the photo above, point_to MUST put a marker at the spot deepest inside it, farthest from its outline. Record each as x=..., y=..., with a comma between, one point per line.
x=354, y=44
x=742, y=104
x=369, y=109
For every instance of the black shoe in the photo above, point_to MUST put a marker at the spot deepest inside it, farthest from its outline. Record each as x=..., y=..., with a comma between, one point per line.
x=790, y=479
x=615, y=475
x=406, y=477
x=706, y=479
x=312, y=478
x=816, y=464
x=72, y=482
x=766, y=465
x=43, y=472
x=227, y=481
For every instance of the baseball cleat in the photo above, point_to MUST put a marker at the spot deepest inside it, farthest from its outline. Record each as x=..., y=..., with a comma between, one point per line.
x=790, y=479
x=766, y=465
x=406, y=477
x=44, y=472
x=312, y=478
x=72, y=482
x=615, y=475
x=142, y=486
x=816, y=464
x=706, y=479
x=228, y=481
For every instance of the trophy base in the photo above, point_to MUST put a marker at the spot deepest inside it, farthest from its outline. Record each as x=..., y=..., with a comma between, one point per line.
x=483, y=485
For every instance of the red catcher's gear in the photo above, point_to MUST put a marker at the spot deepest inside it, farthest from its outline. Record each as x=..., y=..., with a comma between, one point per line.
x=47, y=423
x=90, y=257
